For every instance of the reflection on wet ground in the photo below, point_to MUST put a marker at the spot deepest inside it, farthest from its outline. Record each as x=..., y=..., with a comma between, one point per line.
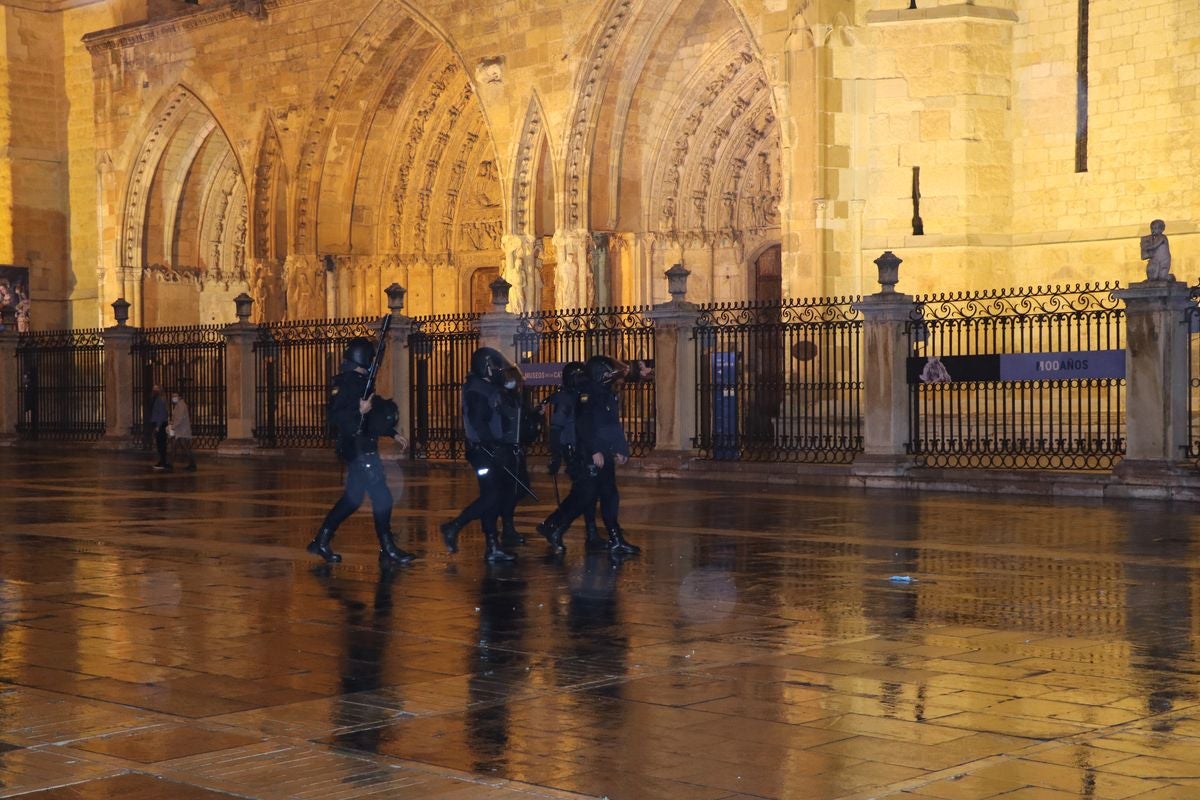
x=165, y=636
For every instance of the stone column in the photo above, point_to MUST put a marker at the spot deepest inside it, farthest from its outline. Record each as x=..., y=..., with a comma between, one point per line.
x=520, y=265
x=885, y=387
x=240, y=377
x=498, y=328
x=570, y=274
x=118, y=379
x=10, y=379
x=675, y=369
x=395, y=379
x=1156, y=377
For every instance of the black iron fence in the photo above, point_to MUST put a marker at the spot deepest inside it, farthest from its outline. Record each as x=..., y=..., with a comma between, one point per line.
x=190, y=361
x=61, y=387
x=1191, y=318
x=968, y=410
x=779, y=381
x=439, y=351
x=293, y=365
x=559, y=337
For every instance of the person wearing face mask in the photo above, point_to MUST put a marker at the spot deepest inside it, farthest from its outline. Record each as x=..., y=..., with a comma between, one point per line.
x=180, y=429
x=483, y=401
x=159, y=417
x=522, y=425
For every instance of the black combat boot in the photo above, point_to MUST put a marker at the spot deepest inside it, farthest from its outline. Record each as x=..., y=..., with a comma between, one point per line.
x=511, y=538
x=319, y=546
x=594, y=543
x=494, y=554
x=450, y=534
x=389, y=554
x=553, y=533
x=618, y=545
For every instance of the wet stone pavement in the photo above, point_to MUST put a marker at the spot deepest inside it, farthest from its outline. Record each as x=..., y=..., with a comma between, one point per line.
x=165, y=636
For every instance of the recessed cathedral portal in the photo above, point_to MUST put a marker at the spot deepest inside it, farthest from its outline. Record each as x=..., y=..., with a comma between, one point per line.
x=668, y=151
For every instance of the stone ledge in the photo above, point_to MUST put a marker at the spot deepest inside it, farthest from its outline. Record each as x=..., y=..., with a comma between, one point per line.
x=1177, y=483
x=941, y=13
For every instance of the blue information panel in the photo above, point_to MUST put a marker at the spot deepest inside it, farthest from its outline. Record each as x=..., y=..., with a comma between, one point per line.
x=1087, y=364
x=1076, y=365
x=725, y=405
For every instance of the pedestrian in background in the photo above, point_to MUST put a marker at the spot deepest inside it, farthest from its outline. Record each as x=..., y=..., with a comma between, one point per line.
x=159, y=418
x=180, y=430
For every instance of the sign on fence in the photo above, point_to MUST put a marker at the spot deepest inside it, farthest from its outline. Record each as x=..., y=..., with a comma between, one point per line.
x=1076, y=365
x=542, y=374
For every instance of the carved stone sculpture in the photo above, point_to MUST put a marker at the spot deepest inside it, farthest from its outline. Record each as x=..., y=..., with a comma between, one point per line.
x=1156, y=252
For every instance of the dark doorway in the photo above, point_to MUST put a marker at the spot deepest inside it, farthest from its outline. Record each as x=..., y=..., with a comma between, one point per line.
x=481, y=288
x=768, y=276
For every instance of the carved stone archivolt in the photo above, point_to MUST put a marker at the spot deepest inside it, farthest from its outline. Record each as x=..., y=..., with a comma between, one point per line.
x=717, y=177
x=583, y=124
x=388, y=27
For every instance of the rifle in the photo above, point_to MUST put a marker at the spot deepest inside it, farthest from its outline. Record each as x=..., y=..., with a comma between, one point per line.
x=384, y=326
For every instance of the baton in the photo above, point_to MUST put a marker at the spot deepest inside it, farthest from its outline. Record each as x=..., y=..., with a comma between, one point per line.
x=557, y=498
x=512, y=475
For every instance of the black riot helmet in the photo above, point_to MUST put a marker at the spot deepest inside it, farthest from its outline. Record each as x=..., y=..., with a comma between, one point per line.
x=605, y=370
x=360, y=352
x=573, y=375
x=488, y=363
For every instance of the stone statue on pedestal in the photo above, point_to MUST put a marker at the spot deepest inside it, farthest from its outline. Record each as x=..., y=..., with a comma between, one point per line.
x=1156, y=252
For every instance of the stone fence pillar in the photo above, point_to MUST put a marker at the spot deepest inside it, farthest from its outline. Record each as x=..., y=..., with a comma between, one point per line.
x=498, y=328
x=885, y=388
x=1156, y=377
x=239, y=380
x=10, y=380
x=118, y=378
x=395, y=378
x=675, y=368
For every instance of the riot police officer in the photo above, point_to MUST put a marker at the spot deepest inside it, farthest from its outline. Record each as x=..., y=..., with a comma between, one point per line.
x=356, y=425
x=602, y=446
x=492, y=458
x=522, y=427
x=564, y=450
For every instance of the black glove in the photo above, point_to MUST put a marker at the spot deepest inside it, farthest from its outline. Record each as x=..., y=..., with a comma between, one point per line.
x=555, y=465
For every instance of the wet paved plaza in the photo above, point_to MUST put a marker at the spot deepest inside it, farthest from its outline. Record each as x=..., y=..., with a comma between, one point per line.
x=166, y=636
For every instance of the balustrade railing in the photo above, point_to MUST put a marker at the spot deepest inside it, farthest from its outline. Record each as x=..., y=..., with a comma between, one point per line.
x=439, y=352
x=983, y=385
x=293, y=365
x=779, y=381
x=556, y=338
x=60, y=385
x=188, y=360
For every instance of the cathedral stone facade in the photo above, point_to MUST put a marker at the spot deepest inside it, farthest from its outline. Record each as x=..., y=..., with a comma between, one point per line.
x=312, y=152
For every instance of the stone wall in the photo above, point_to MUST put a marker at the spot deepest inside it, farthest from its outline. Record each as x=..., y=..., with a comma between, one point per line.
x=421, y=141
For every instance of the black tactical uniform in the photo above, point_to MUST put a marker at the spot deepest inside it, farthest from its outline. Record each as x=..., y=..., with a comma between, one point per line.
x=487, y=451
x=601, y=438
x=357, y=441
x=522, y=427
x=564, y=449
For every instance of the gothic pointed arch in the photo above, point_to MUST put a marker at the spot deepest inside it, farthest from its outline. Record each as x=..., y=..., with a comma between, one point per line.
x=590, y=87
x=184, y=225
x=693, y=155
x=397, y=171
x=533, y=145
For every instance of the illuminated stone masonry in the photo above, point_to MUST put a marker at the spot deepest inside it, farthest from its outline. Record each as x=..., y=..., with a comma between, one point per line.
x=311, y=153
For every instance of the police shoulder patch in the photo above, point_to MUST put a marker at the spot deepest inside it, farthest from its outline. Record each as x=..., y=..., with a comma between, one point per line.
x=583, y=398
